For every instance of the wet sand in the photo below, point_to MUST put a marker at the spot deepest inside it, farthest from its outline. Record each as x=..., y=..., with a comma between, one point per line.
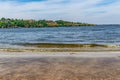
x=99, y=66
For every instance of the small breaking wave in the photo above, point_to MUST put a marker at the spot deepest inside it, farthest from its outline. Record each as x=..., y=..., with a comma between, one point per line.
x=61, y=45
x=58, y=47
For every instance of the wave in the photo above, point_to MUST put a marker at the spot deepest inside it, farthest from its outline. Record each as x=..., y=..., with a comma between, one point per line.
x=59, y=47
x=62, y=45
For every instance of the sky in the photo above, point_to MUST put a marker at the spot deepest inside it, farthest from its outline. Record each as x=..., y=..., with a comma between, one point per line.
x=88, y=11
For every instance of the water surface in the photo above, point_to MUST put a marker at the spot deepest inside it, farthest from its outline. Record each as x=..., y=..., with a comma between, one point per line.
x=64, y=35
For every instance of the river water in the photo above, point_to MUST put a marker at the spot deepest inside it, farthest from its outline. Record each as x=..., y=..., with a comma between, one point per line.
x=64, y=35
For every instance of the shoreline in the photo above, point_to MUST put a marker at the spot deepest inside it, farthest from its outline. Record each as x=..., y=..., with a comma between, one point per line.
x=34, y=49
x=60, y=50
x=59, y=47
x=60, y=54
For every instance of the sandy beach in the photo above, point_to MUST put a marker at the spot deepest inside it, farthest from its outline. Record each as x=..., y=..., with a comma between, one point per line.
x=60, y=66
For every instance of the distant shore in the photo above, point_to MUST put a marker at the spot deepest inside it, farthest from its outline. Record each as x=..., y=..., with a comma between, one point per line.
x=20, y=23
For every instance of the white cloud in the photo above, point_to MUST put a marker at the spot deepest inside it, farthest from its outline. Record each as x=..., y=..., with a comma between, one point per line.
x=71, y=10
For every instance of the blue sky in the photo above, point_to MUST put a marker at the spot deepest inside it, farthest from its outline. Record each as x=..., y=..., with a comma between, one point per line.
x=90, y=11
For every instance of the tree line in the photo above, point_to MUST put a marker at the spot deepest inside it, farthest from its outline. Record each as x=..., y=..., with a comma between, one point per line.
x=16, y=23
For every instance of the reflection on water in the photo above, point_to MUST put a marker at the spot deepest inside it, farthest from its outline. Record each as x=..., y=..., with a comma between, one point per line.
x=59, y=68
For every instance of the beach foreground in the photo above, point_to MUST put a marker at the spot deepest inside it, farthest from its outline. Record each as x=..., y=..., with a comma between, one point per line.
x=62, y=66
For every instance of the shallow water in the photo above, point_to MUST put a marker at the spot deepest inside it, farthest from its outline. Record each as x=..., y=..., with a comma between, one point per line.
x=59, y=68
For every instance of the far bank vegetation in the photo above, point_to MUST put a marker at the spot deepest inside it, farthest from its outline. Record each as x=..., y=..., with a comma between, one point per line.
x=16, y=23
